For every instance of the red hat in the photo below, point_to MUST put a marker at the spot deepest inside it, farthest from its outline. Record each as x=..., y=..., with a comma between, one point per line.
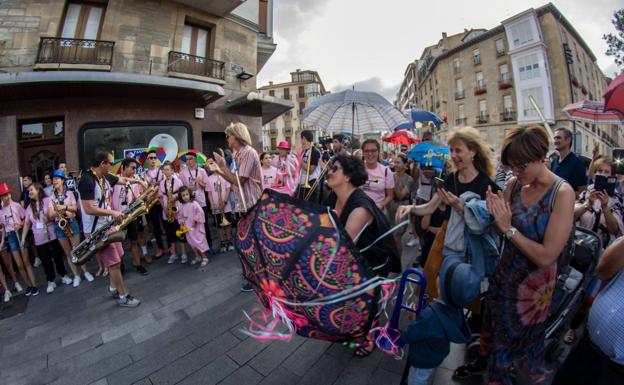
x=4, y=189
x=284, y=145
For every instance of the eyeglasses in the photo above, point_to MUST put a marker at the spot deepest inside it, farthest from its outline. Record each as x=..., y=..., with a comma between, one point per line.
x=520, y=167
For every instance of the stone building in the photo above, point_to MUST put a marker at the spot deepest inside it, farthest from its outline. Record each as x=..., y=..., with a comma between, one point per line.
x=407, y=96
x=483, y=78
x=303, y=87
x=126, y=74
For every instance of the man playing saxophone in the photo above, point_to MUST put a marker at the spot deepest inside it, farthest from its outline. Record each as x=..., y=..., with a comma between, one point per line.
x=309, y=171
x=168, y=193
x=95, y=189
x=218, y=191
x=123, y=196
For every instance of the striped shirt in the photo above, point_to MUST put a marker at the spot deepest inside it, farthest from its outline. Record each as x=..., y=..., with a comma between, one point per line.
x=606, y=320
x=248, y=165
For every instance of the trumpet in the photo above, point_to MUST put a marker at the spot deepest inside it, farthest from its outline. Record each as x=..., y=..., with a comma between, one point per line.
x=63, y=222
x=183, y=230
x=307, y=181
x=224, y=221
x=172, y=209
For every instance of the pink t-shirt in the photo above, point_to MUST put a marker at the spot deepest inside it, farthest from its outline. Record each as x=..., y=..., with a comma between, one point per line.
x=124, y=195
x=211, y=188
x=10, y=215
x=190, y=179
x=379, y=179
x=43, y=232
x=162, y=193
x=268, y=176
x=153, y=177
x=68, y=199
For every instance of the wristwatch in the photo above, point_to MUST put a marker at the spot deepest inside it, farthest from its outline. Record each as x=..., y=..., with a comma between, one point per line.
x=510, y=233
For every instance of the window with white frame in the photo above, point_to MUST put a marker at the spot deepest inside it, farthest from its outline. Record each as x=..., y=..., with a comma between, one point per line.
x=528, y=67
x=500, y=47
x=537, y=94
x=480, y=82
x=461, y=112
x=507, y=103
x=476, y=56
x=521, y=33
x=504, y=72
x=482, y=108
x=456, y=65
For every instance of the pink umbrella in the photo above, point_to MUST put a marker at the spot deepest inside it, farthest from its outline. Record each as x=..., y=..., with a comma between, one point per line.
x=614, y=96
x=592, y=111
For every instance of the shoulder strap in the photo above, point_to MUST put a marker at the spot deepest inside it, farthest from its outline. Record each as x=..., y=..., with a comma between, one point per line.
x=553, y=196
x=101, y=202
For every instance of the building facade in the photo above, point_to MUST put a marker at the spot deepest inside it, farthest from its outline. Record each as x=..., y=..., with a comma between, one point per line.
x=302, y=88
x=487, y=78
x=127, y=74
x=407, y=96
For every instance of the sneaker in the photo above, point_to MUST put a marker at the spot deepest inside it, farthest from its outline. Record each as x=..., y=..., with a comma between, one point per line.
x=77, y=280
x=230, y=247
x=195, y=261
x=184, y=258
x=412, y=243
x=222, y=249
x=141, y=270
x=50, y=288
x=112, y=293
x=34, y=291
x=7, y=296
x=37, y=262
x=88, y=276
x=172, y=259
x=66, y=280
x=18, y=287
x=246, y=287
x=28, y=291
x=128, y=301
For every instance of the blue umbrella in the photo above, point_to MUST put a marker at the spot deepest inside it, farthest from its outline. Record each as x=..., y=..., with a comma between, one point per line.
x=428, y=154
x=418, y=115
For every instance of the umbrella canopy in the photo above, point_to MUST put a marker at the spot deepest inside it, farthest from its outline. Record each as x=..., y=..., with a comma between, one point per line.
x=418, y=115
x=116, y=167
x=614, y=96
x=592, y=111
x=159, y=151
x=401, y=137
x=201, y=158
x=428, y=154
x=354, y=111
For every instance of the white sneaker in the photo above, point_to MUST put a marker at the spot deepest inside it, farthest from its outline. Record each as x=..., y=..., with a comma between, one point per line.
x=7, y=296
x=230, y=247
x=66, y=280
x=222, y=249
x=37, y=262
x=51, y=287
x=77, y=280
x=184, y=258
x=412, y=243
x=88, y=276
x=172, y=259
x=18, y=287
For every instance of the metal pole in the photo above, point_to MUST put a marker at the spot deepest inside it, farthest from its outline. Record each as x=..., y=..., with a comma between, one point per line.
x=567, y=53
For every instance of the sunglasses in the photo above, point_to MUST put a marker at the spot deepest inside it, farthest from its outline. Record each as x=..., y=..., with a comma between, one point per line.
x=152, y=157
x=334, y=168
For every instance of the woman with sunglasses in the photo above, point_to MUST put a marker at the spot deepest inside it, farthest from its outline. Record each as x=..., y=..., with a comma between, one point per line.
x=154, y=176
x=362, y=220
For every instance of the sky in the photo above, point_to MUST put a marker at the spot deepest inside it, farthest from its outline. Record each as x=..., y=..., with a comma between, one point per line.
x=368, y=44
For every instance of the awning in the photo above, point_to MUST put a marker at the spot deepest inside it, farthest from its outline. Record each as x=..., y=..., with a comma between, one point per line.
x=256, y=104
x=59, y=84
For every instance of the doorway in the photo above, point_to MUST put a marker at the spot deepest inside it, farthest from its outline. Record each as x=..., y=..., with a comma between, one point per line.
x=211, y=141
x=41, y=147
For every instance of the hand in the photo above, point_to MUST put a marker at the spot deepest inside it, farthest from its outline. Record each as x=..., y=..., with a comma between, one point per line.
x=219, y=160
x=591, y=198
x=401, y=212
x=17, y=226
x=500, y=210
x=212, y=166
x=451, y=199
x=603, y=198
x=117, y=215
x=595, y=151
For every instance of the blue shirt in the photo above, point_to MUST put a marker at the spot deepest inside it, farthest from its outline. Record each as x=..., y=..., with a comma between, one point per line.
x=572, y=170
x=606, y=320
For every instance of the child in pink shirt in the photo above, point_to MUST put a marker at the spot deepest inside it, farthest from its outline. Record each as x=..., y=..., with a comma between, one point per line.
x=191, y=218
x=171, y=185
x=225, y=232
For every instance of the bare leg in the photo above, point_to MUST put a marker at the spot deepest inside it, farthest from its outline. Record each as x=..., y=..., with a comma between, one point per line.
x=136, y=257
x=17, y=258
x=183, y=247
x=3, y=281
x=8, y=262
x=101, y=268
x=75, y=241
x=142, y=244
x=67, y=250
x=116, y=280
x=28, y=266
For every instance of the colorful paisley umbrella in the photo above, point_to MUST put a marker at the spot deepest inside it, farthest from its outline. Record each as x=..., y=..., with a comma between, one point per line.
x=201, y=158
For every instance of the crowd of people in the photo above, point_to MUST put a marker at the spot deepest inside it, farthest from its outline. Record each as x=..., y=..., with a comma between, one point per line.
x=493, y=230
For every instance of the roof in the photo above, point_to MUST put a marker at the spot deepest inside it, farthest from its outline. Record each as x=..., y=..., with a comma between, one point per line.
x=256, y=104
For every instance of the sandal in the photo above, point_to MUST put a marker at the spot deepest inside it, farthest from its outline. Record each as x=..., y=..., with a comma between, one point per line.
x=569, y=337
x=105, y=273
x=475, y=367
x=365, y=349
x=204, y=262
x=99, y=272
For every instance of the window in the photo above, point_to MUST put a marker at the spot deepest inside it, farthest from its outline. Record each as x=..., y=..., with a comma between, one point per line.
x=537, y=94
x=480, y=82
x=287, y=93
x=476, y=56
x=461, y=112
x=504, y=72
x=196, y=41
x=482, y=107
x=507, y=103
x=500, y=47
x=301, y=107
x=529, y=67
x=271, y=92
x=83, y=21
x=301, y=91
x=456, y=65
x=521, y=33
x=459, y=85
x=45, y=129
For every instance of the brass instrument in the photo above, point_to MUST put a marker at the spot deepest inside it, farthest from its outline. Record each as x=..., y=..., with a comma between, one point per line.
x=224, y=222
x=307, y=181
x=62, y=222
x=101, y=238
x=183, y=230
x=319, y=179
x=172, y=209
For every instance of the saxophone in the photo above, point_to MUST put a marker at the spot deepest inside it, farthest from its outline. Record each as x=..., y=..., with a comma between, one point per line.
x=172, y=209
x=62, y=222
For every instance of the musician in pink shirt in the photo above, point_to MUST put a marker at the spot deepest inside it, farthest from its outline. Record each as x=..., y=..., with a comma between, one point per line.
x=191, y=218
x=287, y=166
x=195, y=178
x=171, y=185
x=12, y=219
x=216, y=182
x=153, y=176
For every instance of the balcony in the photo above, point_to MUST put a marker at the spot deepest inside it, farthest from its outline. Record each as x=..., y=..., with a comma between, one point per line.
x=483, y=118
x=193, y=67
x=508, y=116
x=459, y=95
x=481, y=88
x=461, y=122
x=215, y=7
x=74, y=54
x=288, y=131
x=500, y=53
x=456, y=69
x=505, y=82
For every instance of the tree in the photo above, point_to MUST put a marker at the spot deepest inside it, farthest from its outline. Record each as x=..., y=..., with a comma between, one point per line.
x=616, y=41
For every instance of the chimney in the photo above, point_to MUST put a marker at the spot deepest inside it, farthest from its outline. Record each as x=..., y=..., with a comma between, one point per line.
x=270, y=83
x=444, y=35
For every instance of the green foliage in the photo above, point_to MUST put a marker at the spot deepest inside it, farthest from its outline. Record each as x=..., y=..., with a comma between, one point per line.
x=616, y=41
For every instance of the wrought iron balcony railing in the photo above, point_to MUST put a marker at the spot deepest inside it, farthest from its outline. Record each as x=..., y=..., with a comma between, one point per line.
x=508, y=116
x=459, y=94
x=58, y=50
x=483, y=118
x=196, y=65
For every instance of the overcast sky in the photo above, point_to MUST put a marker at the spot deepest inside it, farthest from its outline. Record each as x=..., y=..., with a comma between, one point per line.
x=369, y=43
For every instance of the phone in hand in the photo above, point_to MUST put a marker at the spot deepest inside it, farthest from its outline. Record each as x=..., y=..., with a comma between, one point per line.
x=605, y=183
x=618, y=161
x=438, y=182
